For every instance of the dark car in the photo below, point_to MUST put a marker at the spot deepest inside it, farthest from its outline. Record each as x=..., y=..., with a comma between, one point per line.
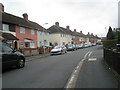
x=10, y=57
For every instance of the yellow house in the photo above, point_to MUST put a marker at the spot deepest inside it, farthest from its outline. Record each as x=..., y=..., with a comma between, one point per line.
x=59, y=35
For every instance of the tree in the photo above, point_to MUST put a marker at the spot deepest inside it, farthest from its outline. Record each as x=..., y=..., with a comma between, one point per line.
x=110, y=34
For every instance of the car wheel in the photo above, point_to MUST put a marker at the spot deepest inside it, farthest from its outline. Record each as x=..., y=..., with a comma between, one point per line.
x=65, y=51
x=21, y=63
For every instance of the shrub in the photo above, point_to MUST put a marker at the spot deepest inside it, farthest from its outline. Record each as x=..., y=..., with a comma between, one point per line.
x=110, y=44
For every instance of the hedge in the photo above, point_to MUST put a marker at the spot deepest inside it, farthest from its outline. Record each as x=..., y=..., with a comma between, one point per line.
x=110, y=44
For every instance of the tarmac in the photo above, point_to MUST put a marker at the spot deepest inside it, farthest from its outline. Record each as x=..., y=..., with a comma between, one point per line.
x=103, y=79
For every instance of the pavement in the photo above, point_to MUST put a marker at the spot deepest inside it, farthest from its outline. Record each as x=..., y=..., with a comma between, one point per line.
x=96, y=74
x=30, y=58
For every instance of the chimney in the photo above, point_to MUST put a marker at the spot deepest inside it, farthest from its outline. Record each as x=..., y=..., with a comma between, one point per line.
x=74, y=30
x=81, y=32
x=88, y=33
x=57, y=24
x=25, y=16
x=68, y=27
x=1, y=7
x=92, y=34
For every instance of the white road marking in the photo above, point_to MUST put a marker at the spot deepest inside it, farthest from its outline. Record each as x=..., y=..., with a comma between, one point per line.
x=86, y=54
x=73, y=79
x=92, y=59
x=90, y=54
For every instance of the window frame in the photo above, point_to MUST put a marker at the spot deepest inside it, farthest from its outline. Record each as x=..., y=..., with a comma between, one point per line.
x=22, y=30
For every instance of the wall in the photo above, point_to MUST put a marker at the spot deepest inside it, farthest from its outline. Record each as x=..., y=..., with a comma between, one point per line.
x=27, y=34
x=41, y=37
x=56, y=38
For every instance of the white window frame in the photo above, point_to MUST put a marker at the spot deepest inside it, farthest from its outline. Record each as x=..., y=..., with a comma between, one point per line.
x=22, y=30
x=32, y=32
x=21, y=44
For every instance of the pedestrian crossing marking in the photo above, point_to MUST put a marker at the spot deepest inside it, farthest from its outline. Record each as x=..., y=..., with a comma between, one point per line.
x=92, y=59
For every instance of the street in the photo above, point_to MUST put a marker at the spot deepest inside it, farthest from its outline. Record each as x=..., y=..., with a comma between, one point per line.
x=55, y=71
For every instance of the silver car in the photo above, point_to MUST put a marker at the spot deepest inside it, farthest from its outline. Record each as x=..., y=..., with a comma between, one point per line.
x=58, y=50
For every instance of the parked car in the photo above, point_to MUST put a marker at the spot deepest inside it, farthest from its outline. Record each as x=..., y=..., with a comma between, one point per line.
x=81, y=46
x=85, y=45
x=70, y=47
x=58, y=50
x=10, y=57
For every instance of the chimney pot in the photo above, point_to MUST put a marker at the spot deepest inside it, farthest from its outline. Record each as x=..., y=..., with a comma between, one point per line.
x=91, y=33
x=88, y=33
x=57, y=24
x=25, y=16
x=74, y=30
x=81, y=32
x=1, y=7
x=68, y=27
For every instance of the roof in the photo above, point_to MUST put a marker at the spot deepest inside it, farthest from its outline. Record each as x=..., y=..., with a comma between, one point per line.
x=9, y=36
x=15, y=20
x=55, y=29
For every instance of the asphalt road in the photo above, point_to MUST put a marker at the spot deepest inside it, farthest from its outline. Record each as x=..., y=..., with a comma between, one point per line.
x=49, y=72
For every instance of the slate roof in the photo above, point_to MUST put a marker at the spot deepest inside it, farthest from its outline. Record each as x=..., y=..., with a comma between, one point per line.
x=15, y=20
x=56, y=29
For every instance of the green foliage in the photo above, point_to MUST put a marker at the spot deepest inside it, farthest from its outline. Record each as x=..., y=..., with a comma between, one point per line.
x=110, y=44
x=110, y=34
x=118, y=37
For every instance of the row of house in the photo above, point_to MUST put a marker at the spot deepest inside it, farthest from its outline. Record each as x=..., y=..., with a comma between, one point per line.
x=29, y=34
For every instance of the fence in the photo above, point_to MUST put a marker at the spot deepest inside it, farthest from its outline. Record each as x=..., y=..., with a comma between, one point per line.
x=34, y=51
x=113, y=59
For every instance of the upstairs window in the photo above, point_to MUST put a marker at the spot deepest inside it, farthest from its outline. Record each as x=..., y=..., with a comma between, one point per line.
x=22, y=30
x=33, y=32
x=5, y=27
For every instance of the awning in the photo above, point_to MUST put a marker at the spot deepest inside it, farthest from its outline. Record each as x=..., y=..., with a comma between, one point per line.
x=9, y=36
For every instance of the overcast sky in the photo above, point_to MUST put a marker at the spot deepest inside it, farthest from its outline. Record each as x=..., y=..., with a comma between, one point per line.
x=86, y=15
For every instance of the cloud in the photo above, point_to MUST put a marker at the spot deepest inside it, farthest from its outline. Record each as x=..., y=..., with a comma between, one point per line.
x=85, y=15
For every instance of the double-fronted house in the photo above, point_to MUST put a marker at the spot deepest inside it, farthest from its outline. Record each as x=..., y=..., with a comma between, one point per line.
x=59, y=35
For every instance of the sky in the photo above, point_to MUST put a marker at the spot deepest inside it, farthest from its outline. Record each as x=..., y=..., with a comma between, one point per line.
x=83, y=15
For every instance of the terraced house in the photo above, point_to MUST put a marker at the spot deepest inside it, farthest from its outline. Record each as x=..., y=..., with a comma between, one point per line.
x=63, y=36
x=21, y=30
x=59, y=35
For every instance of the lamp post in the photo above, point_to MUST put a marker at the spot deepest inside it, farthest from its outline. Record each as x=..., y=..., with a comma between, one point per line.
x=43, y=38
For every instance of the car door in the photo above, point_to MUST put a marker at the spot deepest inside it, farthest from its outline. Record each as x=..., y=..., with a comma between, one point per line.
x=9, y=57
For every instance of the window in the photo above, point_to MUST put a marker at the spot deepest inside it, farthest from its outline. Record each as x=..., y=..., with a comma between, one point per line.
x=21, y=44
x=5, y=27
x=27, y=44
x=32, y=32
x=40, y=33
x=22, y=30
